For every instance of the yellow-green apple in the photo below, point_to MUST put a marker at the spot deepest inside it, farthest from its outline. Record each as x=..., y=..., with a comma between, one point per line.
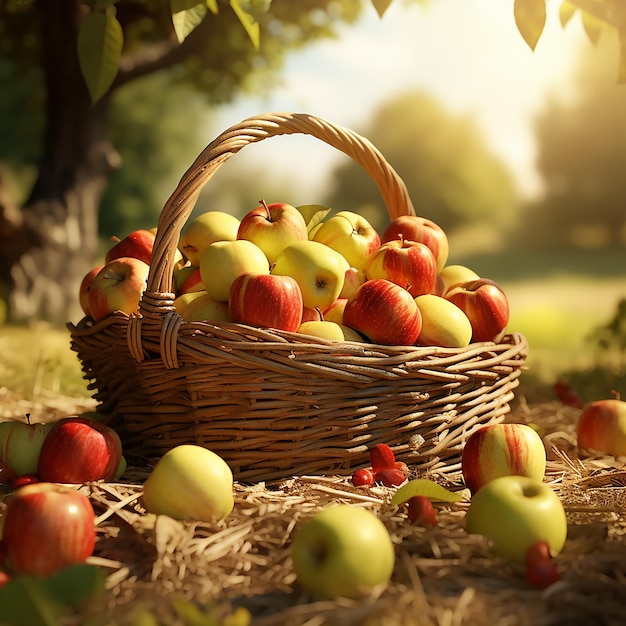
x=78, y=450
x=182, y=301
x=443, y=323
x=318, y=269
x=452, y=275
x=223, y=261
x=502, y=450
x=351, y=235
x=20, y=444
x=354, y=278
x=85, y=287
x=266, y=301
x=118, y=287
x=422, y=230
x=485, y=304
x=205, y=309
x=334, y=312
x=384, y=312
x=190, y=482
x=187, y=279
x=47, y=527
x=601, y=426
x=409, y=264
x=342, y=551
x=323, y=329
x=205, y=229
x=137, y=245
x=273, y=227
x=514, y=512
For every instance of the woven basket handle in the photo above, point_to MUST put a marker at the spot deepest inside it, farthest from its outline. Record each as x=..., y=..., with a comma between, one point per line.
x=179, y=206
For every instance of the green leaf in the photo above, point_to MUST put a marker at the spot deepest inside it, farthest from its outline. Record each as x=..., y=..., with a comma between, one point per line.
x=313, y=214
x=530, y=17
x=423, y=487
x=381, y=6
x=186, y=16
x=100, y=42
x=249, y=22
x=566, y=12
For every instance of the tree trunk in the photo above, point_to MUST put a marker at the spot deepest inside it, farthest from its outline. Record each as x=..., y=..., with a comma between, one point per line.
x=48, y=247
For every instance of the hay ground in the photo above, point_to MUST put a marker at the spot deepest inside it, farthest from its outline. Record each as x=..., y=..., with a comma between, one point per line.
x=442, y=577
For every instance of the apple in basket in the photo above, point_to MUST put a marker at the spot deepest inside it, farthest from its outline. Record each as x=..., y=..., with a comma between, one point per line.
x=273, y=227
x=443, y=323
x=342, y=551
x=502, y=450
x=422, y=230
x=118, y=287
x=187, y=280
x=47, y=527
x=190, y=482
x=204, y=308
x=514, y=512
x=353, y=278
x=351, y=235
x=85, y=287
x=204, y=230
x=601, y=426
x=452, y=275
x=137, y=245
x=20, y=444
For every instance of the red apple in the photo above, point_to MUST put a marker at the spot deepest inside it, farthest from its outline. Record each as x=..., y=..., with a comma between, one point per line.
x=267, y=301
x=310, y=315
x=188, y=280
x=602, y=427
x=384, y=312
x=485, y=304
x=46, y=528
x=421, y=512
x=78, y=450
x=409, y=264
x=118, y=287
x=137, y=245
x=422, y=230
x=334, y=312
x=85, y=287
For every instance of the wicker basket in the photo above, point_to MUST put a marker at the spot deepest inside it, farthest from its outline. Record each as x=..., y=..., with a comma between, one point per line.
x=275, y=404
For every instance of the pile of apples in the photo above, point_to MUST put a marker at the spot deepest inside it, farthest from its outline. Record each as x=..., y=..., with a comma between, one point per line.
x=291, y=269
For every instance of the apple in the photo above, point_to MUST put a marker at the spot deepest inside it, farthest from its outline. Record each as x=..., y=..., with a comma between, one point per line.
x=486, y=306
x=190, y=482
x=21, y=444
x=422, y=230
x=514, y=512
x=443, y=323
x=223, y=261
x=273, y=227
x=384, y=312
x=85, y=287
x=181, y=302
x=205, y=309
x=205, y=229
x=187, y=279
x=309, y=315
x=342, y=551
x=351, y=235
x=601, y=426
x=118, y=287
x=137, y=245
x=409, y=264
x=420, y=511
x=47, y=527
x=502, y=450
x=318, y=269
x=323, y=329
x=334, y=312
x=354, y=278
x=266, y=301
x=7, y=475
x=79, y=450
x=452, y=275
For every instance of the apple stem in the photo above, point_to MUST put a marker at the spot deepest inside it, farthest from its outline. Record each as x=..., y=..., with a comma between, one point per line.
x=28, y=418
x=319, y=312
x=267, y=209
x=115, y=238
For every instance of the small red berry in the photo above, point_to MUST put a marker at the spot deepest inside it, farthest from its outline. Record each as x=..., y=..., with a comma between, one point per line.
x=542, y=574
x=420, y=511
x=389, y=476
x=538, y=551
x=382, y=457
x=363, y=477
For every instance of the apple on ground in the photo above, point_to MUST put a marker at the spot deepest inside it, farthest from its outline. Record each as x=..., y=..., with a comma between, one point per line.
x=422, y=230
x=137, y=245
x=409, y=264
x=354, y=278
x=20, y=444
x=443, y=323
x=342, y=551
x=318, y=269
x=384, y=312
x=266, y=301
x=85, y=287
x=601, y=426
x=514, y=512
x=223, y=261
x=205, y=309
x=79, y=450
x=273, y=227
x=502, y=450
x=485, y=304
x=118, y=287
x=351, y=235
x=452, y=275
x=190, y=482
x=47, y=527
x=205, y=229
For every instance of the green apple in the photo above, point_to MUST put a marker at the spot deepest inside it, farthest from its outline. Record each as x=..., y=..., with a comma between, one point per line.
x=182, y=301
x=342, y=551
x=443, y=323
x=20, y=445
x=223, y=261
x=516, y=511
x=204, y=308
x=190, y=482
x=318, y=269
x=204, y=230
x=452, y=275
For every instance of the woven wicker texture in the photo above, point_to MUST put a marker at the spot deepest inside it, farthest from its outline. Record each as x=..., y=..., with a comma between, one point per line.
x=275, y=404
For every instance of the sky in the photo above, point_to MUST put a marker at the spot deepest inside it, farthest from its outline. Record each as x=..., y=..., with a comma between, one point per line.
x=467, y=53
